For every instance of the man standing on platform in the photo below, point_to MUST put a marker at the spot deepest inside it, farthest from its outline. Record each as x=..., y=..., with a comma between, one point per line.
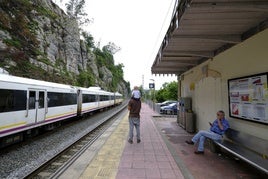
x=134, y=107
x=217, y=129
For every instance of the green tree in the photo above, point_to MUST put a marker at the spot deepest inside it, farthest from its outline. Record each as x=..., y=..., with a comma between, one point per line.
x=104, y=57
x=172, y=90
x=89, y=39
x=75, y=9
x=85, y=79
x=160, y=95
x=168, y=91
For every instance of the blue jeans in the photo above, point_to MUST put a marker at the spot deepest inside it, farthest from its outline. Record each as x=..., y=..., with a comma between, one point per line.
x=202, y=135
x=134, y=122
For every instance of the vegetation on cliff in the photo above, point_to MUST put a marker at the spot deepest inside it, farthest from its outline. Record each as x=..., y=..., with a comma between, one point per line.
x=17, y=21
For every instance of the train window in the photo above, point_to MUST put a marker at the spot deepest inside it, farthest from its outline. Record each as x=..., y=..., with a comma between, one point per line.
x=61, y=99
x=104, y=98
x=87, y=98
x=12, y=100
x=32, y=100
x=41, y=99
x=70, y=98
x=118, y=97
x=93, y=98
x=101, y=98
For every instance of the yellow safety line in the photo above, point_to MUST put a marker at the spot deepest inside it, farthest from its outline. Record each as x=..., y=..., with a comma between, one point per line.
x=59, y=115
x=106, y=161
x=85, y=109
x=24, y=122
x=264, y=156
x=13, y=125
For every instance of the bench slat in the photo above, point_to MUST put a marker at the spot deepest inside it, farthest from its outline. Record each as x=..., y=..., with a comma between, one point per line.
x=249, y=141
x=250, y=157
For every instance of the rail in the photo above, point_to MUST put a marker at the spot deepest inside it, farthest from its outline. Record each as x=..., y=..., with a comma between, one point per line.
x=70, y=153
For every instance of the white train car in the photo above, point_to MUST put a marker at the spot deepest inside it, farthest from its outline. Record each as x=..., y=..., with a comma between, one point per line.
x=105, y=99
x=88, y=100
x=111, y=99
x=118, y=98
x=27, y=103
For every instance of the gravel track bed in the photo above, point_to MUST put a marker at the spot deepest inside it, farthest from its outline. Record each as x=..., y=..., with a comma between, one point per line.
x=20, y=161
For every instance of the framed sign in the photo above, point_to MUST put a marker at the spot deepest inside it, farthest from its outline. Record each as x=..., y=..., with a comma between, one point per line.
x=248, y=98
x=151, y=85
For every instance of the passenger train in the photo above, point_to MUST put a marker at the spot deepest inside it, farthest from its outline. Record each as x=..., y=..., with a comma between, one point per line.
x=27, y=105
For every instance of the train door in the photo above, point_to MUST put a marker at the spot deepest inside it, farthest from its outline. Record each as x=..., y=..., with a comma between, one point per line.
x=79, y=102
x=114, y=101
x=36, y=105
x=98, y=100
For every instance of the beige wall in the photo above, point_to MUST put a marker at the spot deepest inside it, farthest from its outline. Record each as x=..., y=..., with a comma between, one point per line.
x=208, y=88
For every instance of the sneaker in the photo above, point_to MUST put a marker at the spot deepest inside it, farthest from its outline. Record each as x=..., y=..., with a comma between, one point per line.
x=199, y=152
x=138, y=140
x=189, y=142
x=130, y=141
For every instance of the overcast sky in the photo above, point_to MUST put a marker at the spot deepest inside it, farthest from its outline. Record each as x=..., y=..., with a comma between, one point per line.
x=137, y=27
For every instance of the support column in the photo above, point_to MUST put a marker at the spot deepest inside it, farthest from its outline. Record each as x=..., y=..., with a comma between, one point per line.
x=179, y=86
x=179, y=97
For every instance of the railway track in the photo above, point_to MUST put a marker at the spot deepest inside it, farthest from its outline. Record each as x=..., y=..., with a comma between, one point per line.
x=60, y=162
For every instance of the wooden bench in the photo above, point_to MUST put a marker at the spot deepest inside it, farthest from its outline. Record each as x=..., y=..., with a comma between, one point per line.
x=249, y=148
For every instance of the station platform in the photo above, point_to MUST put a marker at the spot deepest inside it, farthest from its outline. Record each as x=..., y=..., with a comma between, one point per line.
x=162, y=153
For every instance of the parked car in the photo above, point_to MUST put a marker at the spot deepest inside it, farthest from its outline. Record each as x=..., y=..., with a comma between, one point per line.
x=166, y=103
x=170, y=109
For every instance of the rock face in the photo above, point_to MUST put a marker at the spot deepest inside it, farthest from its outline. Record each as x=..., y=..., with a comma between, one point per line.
x=48, y=46
x=59, y=38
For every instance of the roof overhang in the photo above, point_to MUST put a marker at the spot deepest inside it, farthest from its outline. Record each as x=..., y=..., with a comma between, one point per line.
x=201, y=29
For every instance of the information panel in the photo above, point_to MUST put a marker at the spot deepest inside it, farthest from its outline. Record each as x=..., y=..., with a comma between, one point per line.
x=248, y=98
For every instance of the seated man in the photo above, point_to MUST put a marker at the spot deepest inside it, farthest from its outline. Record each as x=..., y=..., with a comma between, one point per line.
x=217, y=129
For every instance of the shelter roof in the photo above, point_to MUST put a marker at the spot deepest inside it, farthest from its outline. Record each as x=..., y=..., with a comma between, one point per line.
x=201, y=29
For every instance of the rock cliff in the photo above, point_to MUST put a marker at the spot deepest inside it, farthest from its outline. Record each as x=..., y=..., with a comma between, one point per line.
x=38, y=40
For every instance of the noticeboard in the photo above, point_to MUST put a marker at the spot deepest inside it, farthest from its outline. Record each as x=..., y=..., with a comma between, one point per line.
x=248, y=98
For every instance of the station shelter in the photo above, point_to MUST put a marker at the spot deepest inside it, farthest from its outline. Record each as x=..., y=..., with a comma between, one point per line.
x=219, y=51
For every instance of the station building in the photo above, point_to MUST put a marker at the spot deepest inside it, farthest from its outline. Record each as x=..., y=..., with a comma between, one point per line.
x=212, y=45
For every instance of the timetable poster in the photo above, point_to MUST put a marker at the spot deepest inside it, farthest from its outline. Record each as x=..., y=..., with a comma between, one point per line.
x=248, y=98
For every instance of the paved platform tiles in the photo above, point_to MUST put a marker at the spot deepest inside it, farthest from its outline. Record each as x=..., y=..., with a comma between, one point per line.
x=162, y=153
x=207, y=166
x=150, y=158
x=119, y=159
x=106, y=162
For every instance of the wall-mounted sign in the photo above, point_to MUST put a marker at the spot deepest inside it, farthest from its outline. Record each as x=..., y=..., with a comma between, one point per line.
x=151, y=85
x=248, y=98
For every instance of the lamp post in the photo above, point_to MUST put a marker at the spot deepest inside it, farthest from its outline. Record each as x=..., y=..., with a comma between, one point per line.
x=152, y=86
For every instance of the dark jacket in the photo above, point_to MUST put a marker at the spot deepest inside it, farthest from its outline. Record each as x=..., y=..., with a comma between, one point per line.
x=134, y=107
